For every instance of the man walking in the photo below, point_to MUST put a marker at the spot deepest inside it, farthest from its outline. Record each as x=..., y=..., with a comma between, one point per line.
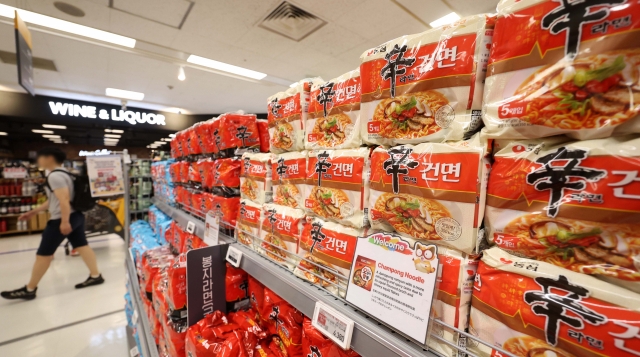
x=64, y=223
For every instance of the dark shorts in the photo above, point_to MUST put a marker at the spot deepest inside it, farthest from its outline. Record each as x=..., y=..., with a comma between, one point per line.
x=52, y=238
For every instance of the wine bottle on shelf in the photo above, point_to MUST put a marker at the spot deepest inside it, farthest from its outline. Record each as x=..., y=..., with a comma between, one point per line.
x=3, y=225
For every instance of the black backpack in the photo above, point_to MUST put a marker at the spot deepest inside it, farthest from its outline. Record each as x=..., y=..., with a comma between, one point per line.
x=82, y=199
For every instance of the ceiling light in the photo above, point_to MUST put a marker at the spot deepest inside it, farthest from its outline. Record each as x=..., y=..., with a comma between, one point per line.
x=117, y=131
x=51, y=126
x=445, y=20
x=38, y=131
x=109, y=139
x=160, y=142
x=181, y=75
x=225, y=67
x=108, y=144
x=66, y=26
x=51, y=136
x=112, y=135
x=2, y=133
x=293, y=84
x=172, y=135
x=124, y=94
x=166, y=139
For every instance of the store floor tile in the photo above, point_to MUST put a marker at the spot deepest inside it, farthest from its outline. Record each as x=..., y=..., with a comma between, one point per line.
x=68, y=322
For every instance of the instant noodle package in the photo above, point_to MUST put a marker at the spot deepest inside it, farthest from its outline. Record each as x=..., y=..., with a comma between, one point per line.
x=238, y=131
x=427, y=86
x=287, y=113
x=289, y=172
x=315, y=344
x=337, y=186
x=546, y=77
x=255, y=177
x=284, y=323
x=326, y=251
x=534, y=309
x=226, y=177
x=280, y=234
x=574, y=204
x=431, y=191
x=248, y=224
x=333, y=121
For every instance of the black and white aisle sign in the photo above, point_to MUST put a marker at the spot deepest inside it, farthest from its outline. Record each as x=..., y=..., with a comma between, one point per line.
x=394, y=281
x=205, y=282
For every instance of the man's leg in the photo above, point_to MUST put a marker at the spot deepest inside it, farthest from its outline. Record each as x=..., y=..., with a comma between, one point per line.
x=78, y=240
x=89, y=258
x=39, y=269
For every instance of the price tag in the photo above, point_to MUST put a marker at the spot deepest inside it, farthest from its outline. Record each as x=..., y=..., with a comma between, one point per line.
x=211, y=228
x=191, y=227
x=134, y=352
x=234, y=256
x=333, y=324
x=135, y=316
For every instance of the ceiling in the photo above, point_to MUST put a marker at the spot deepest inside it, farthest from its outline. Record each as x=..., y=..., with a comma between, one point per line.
x=226, y=31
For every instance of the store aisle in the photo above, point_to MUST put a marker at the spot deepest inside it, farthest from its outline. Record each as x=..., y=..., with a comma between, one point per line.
x=68, y=322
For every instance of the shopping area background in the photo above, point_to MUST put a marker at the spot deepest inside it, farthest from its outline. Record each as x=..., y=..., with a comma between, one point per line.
x=470, y=189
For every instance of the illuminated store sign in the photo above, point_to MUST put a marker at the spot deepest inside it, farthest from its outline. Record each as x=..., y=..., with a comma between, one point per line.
x=93, y=112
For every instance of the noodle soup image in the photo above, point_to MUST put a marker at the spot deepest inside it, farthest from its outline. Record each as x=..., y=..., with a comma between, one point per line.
x=583, y=82
x=527, y=346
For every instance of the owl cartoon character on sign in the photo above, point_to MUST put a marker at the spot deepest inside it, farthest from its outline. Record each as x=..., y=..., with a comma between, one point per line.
x=424, y=256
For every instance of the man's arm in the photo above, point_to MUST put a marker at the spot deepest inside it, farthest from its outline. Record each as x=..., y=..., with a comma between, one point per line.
x=33, y=212
x=65, y=209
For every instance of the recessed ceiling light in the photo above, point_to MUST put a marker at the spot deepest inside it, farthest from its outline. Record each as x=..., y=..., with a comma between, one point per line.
x=38, y=131
x=51, y=126
x=225, y=67
x=445, y=20
x=172, y=135
x=124, y=94
x=2, y=133
x=181, y=75
x=112, y=135
x=51, y=136
x=66, y=26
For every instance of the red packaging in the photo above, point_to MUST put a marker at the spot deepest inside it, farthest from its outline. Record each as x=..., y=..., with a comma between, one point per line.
x=227, y=209
x=236, y=284
x=193, y=143
x=315, y=344
x=184, y=141
x=240, y=131
x=208, y=200
x=177, y=283
x=174, y=336
x=262, y=350
x=204, y=134
x=285, y=323
x=195, y=172
x=206, y=337
x=184, y=171
x=256, y=294
x=263, y=131
x=193, y=242
x=226, y=177
x=159, y=301
x=174, y=171
x=175, y=150
x=247, y=320
x=205, y=168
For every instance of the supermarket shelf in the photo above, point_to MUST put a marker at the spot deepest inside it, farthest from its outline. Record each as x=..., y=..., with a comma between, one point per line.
x=16, y=231
x=18, y=196
x=139, y=211
x=10, y=215
x=147, y=342
x=140, y=176
x=370, y=338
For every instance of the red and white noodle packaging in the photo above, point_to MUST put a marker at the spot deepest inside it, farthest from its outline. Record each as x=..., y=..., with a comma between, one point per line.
x=289, y=173
x=426, y=87
x=255, y=177
x=337, y=186
x=548, y=77
x=431, y=191
x=574, y=204
x=333, y=121
x=248, y=223
x=286, y=116
x=534, y=309
x=280, y=234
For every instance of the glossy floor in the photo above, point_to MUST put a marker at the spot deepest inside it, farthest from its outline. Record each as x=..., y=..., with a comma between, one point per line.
x=63, y=321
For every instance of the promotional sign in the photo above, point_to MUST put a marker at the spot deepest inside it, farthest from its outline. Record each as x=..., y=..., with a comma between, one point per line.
x=211, y=228
x=393, y=279
x=24, y=57
x=205, y=282
x=14, y=172
x=105, y=175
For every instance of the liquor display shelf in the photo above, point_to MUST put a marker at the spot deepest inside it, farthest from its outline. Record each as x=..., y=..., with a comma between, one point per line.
x=370, y=338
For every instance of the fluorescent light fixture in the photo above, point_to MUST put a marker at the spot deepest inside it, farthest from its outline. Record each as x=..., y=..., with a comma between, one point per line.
x=445, y=20
x=115, y=131
x=293, y=84
x=108, y=144
x=2, y=133
x=225, y=67
x=66, y=26
x=167, y=139
x=172, y=135
x=124, y=94
x=111, y=140
x=51, y=136
x=51, y=126
x=181, y=75
x=112, y=135
x=38, y=131
x=159, y=142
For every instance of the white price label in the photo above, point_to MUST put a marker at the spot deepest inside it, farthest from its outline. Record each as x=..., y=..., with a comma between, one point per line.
x=211, y=228
x=191, y=227
x=333, y=324
x=135, y=317
x=134, y=352
x=234, y=256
